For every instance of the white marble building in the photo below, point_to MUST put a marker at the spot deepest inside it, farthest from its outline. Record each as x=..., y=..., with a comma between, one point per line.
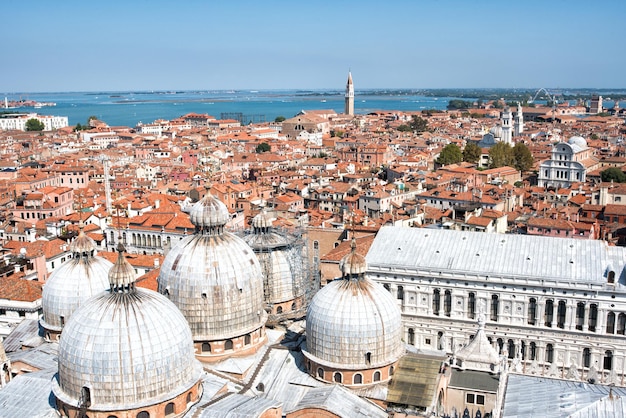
x=554, y=306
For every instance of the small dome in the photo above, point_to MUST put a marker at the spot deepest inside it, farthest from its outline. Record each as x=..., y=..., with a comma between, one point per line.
x=209, y=212
x=578, y=140
x=354, y=324
x=128, y=348
x=262, y=220
x=353, y=263
x=75, y=281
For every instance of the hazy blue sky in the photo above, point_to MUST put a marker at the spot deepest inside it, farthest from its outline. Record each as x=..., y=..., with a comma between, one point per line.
x=86, y=45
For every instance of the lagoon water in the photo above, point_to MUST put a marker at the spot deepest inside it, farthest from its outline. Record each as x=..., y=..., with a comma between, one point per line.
x=130, y=108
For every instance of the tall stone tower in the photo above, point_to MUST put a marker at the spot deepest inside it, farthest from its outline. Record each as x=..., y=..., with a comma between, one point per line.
x=506, y=125
x=518, y=124
x=349, y=108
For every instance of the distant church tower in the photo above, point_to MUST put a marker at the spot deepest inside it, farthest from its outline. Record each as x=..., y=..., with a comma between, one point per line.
x=518, y=126
x=506, y=125
x=349, y=108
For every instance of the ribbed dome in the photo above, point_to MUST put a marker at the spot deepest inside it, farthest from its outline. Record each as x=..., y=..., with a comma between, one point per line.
x=80, y=278
x=353, y=263
x=279, y=264
x=130, y=348
x=578, y=140
x=262, y=220
x=215, y=279
x=209, y=212
x=348, y=319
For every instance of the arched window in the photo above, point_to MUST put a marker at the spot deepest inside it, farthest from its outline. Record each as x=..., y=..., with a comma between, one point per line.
x=247, y=339
x=511, y=349
x=143, y=414
x=391, y=370
x=228, y=345
x=560, y=314
x=549, y=314
x=85, y=396
x=386, y=286
x=523, y=350
x=549, y=353
x=532, y=311
x=169, y=409
x=621, y=323
x=206, y=347
x=471, y=305
x=436, y=301
x=608, y=360
x=337, y=377
x=500, y=345
x=610, y=323
x=533, y=351
x=368, y=358
x=593, y=317
x=400, y=293
x=586, y=357
x=376, y=376
x=447, y=302
x=358, y=379
x=279, y=310
x=189, y=398
x=580, y=315
x=293, y=306
x=611, y=277
x=320, y=372
x=411, y=339
x=494, y=307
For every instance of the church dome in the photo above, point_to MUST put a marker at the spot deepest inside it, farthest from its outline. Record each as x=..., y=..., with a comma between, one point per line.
x=496, y=131
x=353, y=323
x=75, y=281
x=579, y=141
x=283, y=265
x=214, y=278
x=209, y=212
x=125, y=349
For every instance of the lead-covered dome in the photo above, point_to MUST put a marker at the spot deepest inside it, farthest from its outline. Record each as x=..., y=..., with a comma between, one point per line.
x=284, y=266
x=578, y=140
x=353, y=323
x=80, y=278
x=125, y=349
x=214, y=278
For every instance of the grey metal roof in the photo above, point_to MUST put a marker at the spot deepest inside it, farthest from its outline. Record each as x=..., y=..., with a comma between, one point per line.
x=239, y=406
x=26, y=333
x=470, y=379
x=28, y=395
x=530, y=396
x=520, y=256
x=340, y=401
x=43, y=357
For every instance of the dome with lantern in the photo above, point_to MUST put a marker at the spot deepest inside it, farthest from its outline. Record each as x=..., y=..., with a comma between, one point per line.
x=75, y=281
x=353, y=328
x=215, y=279
x=126, y=349
x=284, y=265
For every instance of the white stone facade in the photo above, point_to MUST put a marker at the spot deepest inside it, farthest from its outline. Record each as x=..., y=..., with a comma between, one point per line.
x=554, y=306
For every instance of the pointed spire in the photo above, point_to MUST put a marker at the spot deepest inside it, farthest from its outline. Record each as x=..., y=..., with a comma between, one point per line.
x=122, y=274
x=353, y=265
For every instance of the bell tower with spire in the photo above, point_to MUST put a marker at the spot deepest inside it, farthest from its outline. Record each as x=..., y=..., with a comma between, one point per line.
x=349, y=107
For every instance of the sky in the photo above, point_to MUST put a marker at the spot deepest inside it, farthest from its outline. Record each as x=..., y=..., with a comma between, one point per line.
x=80, y=45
